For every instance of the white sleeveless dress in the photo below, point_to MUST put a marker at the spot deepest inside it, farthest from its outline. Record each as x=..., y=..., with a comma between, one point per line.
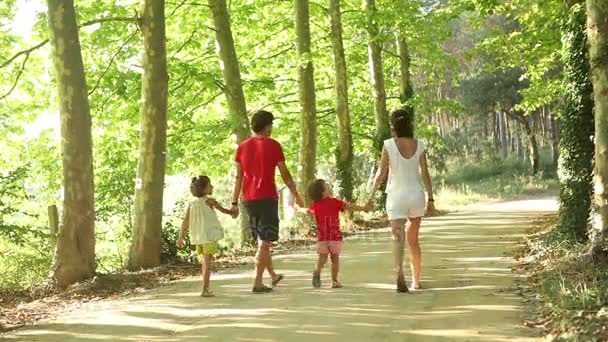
x=405, y=198
x=205, y=226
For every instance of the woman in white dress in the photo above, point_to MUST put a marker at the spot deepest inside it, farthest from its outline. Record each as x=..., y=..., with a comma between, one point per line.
x=404, y=162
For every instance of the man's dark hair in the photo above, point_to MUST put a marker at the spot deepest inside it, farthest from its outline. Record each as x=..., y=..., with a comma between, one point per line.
x=260, y=120
x=403, y=125
x=315, y=190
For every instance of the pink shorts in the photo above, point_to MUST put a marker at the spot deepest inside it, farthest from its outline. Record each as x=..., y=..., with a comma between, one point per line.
x=329, y=247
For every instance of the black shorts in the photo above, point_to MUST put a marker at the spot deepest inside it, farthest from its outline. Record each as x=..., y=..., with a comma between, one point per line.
x=264, y=218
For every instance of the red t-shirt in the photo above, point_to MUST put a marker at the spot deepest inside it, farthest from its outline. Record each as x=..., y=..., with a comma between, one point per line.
x=259, y=157
x=327, y=214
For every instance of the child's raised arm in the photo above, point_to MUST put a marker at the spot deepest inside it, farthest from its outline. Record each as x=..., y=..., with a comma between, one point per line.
x=184, y=229
x=354, y=207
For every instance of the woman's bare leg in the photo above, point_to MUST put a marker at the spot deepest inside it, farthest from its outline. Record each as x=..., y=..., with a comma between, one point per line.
x=413, y=228
x=398, y=245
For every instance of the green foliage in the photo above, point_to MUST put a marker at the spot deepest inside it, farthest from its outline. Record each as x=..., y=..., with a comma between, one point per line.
x=23, y=266
x=440, y=35
x=13, y=219
x=577, y=130
x=573, y=290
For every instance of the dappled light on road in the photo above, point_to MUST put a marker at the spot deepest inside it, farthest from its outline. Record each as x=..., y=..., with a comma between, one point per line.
x=469, y=294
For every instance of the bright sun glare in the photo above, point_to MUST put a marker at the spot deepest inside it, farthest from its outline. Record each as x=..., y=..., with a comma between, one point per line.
x=25, y=19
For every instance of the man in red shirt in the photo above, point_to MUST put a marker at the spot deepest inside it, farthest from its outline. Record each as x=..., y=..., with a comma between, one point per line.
x=256, y=161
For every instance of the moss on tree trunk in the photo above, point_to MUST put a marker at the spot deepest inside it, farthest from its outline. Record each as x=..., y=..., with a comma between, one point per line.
x=75, y=252
x=344, y=153
x=147, y=229
x=576, y=129
x=233, y=88
x=308, y=115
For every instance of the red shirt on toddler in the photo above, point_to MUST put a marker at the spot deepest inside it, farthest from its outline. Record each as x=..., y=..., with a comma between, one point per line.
x=327, y=215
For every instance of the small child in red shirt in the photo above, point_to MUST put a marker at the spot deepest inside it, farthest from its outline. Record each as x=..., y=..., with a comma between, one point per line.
x=326, y=210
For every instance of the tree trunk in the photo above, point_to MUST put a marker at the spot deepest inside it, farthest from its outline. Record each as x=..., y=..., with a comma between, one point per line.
x=518, y=142
x=495, y=132
x=503, y=134
x=147, y=229
x=75, y=253
x=406, y=91
x=344, y=153
x=485, y=128
x=233, y=88
x=308, y=112
x=597, y=31
x=374, y=48
x=533, y=145
x=576, y=129
x=554, y=140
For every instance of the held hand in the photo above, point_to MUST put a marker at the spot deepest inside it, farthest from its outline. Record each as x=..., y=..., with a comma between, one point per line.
x=235, y=211
x=180, y=242
x=299, y=202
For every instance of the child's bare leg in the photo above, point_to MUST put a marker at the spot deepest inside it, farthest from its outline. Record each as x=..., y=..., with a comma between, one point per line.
x=321, y=262
x=398, y=244
x=335, y=266
x=413, y=228
x=207, y=264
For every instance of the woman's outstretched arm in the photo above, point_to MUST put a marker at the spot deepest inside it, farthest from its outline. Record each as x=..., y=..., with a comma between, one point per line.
x=381, y=173
x=428, y=184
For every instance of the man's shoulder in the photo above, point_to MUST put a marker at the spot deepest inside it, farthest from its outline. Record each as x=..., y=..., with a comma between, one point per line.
x=257, y=140
x=271, y=141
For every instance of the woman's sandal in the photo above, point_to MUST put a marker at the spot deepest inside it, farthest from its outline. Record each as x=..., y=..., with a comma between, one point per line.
x=401, y=285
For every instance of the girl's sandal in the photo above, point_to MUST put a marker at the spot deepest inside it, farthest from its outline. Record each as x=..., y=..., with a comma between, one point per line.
x=207, y=293
x=336, y=285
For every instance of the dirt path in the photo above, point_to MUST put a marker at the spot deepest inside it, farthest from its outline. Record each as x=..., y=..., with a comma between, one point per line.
x=470, y=295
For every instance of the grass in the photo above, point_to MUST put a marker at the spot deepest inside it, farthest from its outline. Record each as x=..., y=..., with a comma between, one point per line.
x=572, y=290
x=491, y=180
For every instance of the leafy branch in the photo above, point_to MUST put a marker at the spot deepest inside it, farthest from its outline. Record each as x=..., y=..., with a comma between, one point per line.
x=27, y=56
x=112, y=59
x=27, y=52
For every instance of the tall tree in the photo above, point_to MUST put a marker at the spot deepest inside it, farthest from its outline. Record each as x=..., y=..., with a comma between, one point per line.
x=597, y=31
x=75, y=252
x=147, y=229
x=233, y=86
x=576, y=145
x=308, y=115
x=377, y=77
x=344, y=153
x=406, y=90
